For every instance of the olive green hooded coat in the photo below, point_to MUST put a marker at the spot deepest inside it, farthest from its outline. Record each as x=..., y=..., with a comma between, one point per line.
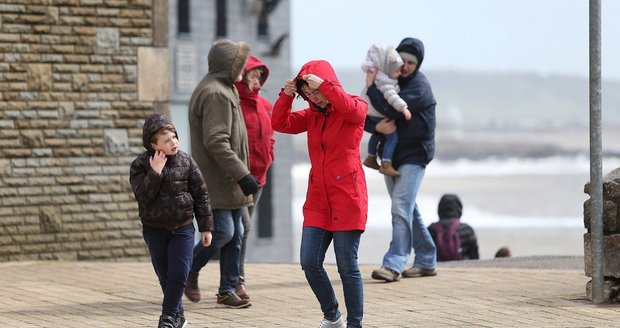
x=218, y=134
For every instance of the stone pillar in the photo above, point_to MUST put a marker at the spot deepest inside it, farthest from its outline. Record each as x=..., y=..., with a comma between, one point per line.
x=611, y=237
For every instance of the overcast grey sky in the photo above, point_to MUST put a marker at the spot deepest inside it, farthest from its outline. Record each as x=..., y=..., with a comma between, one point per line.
x=542, y=36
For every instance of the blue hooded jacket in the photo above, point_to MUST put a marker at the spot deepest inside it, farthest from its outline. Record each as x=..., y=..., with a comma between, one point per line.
x=416, y=137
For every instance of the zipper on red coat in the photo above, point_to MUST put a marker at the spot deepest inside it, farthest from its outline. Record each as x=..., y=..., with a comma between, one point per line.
x=325, y=115
x=260, y=125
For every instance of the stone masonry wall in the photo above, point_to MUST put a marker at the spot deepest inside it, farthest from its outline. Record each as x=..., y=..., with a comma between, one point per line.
x=77, y=79
x=611, y=237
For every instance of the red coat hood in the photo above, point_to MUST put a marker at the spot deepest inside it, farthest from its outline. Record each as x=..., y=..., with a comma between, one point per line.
x=319, y=68
x=252, y=63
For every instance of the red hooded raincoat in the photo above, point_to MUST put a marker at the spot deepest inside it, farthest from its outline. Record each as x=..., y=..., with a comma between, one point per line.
x=257, y=116
x=337, y=199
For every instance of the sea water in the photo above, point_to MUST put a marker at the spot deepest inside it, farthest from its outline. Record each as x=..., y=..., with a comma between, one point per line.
x=532, y=206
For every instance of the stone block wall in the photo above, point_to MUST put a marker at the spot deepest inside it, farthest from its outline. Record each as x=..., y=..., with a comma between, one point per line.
x=611, y=237
x=77, y=79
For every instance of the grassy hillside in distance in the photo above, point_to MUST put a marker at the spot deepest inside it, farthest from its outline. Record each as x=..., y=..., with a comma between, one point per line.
x=509, y=100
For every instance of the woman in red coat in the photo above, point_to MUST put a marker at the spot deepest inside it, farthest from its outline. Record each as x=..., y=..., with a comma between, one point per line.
x=257, y=117
x=336, y=201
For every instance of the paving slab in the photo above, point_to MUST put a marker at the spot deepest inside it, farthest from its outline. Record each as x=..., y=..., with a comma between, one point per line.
x=127, y=294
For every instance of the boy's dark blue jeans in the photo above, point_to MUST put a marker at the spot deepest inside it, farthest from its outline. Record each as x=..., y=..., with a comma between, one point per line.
x=171, y=255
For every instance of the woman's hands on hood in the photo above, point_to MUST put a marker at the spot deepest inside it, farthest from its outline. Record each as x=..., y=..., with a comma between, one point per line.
x=313, y=81
x=289, y=87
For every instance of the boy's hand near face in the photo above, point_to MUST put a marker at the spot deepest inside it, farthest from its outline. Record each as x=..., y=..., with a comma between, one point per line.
x=158, y=161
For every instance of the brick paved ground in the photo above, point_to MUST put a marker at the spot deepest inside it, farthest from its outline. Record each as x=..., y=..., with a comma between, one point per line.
x=119, y=294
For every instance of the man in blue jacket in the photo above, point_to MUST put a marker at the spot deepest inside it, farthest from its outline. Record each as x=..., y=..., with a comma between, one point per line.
x=416, y=148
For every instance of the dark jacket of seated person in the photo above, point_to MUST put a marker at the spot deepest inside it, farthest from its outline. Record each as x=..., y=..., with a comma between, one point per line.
x=450, y=209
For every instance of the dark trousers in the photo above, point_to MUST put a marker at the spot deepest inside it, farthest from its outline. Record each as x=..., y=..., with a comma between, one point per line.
x=246, y=219
x=171, y=255
x=227, y=234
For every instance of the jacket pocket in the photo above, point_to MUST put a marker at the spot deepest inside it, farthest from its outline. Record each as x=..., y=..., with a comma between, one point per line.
x=343, y=178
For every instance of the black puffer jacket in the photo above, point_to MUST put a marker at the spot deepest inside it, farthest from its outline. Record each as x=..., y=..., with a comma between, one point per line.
x=171, y=199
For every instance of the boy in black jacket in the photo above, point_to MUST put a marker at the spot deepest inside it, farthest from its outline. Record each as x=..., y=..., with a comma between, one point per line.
x=170, y=191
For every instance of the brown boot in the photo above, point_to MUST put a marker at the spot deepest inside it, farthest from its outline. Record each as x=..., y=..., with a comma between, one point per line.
x=387, y=169
x=371, y=162
x=191, y=290
x=241, y=291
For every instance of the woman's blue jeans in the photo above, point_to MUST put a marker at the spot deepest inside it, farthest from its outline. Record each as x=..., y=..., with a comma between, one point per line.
x=314, y=244
x=408, y=229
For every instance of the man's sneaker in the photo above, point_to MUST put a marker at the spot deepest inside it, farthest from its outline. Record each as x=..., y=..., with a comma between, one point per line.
x=385, y=274
x=167, y=321
x=240, y=289
x=232, y=300
x=180, y=319
x=339, y=323
x=191, y=289
x=419, y=272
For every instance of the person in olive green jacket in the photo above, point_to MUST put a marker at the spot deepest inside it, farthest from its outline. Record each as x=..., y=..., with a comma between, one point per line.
x=220, y=147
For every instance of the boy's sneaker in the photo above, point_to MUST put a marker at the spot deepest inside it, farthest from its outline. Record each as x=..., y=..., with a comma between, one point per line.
x=385, y=274
x=414, y=272
x=167, y=321
x=339, y=323
x=180, y=320
x=232, y=300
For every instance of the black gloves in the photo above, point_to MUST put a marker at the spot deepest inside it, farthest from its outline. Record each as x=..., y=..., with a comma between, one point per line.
x=248, y=184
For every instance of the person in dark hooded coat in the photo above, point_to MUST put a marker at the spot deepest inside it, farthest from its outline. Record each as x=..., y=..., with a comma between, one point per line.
x=450, y=209
x=219, y=143
x=415, y=149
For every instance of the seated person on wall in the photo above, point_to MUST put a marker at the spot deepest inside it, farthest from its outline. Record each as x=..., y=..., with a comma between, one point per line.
x=503, y=252
x=454, y=240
